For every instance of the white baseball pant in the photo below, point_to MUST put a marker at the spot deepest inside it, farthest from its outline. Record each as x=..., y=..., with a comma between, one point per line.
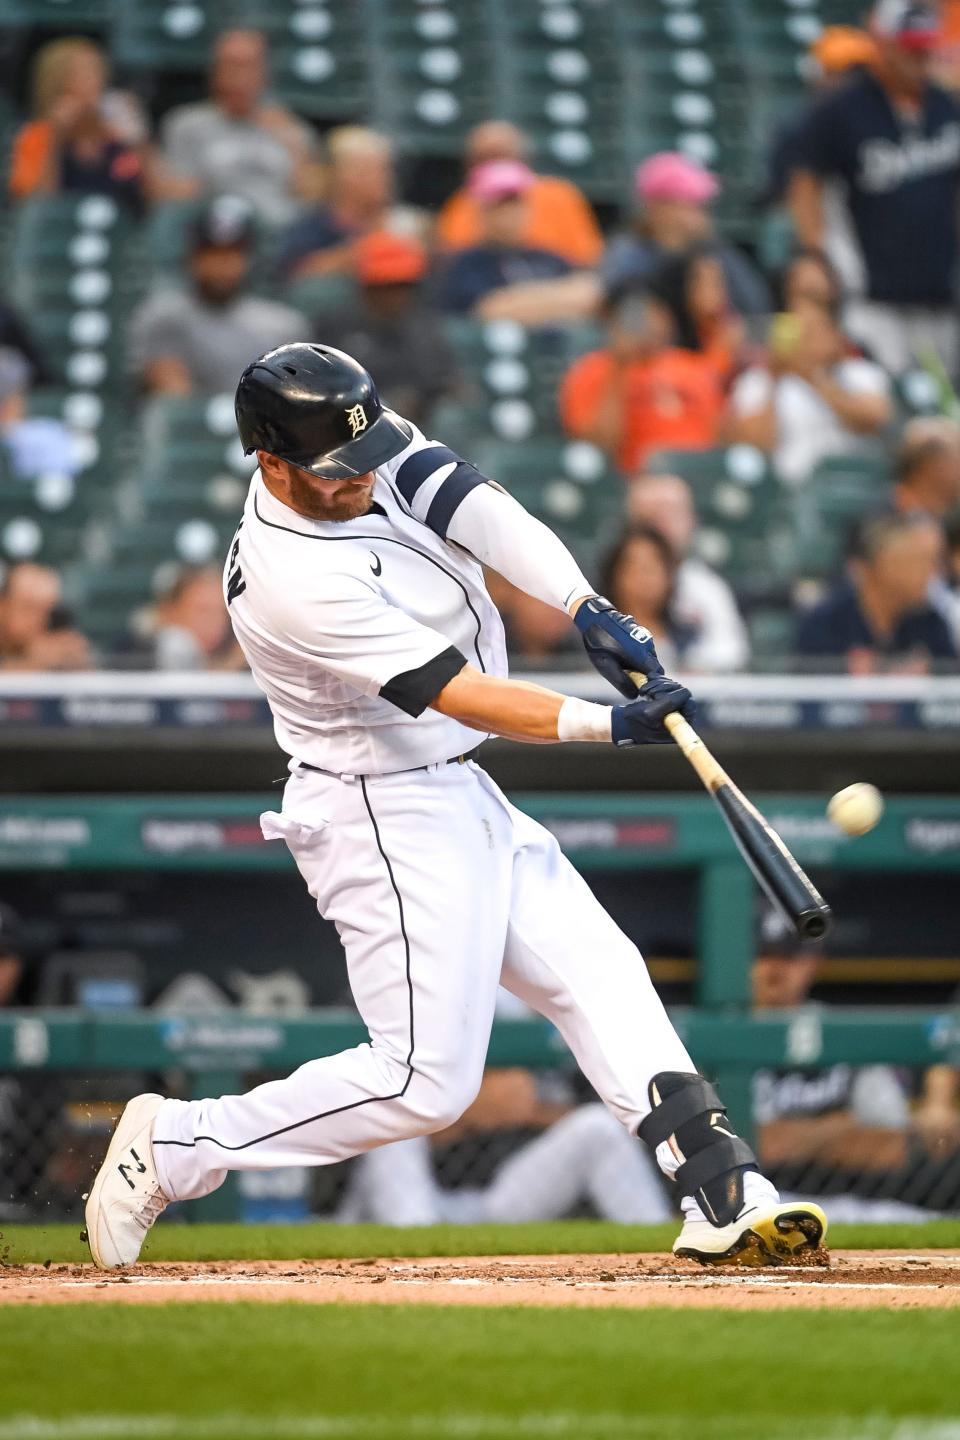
x=439, y=889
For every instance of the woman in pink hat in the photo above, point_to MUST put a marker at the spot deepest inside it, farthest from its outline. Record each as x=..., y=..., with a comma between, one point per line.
x=672, y=216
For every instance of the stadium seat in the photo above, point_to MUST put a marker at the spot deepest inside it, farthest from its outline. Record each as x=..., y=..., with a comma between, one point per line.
x=745, y=523
x=72, y=269
x=168, y=35
x=842, y=491
x=566, y=483
x=65, y=16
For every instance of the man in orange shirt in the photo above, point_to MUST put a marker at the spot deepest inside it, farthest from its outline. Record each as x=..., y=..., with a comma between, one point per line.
x=641, y=394
x=560, y=217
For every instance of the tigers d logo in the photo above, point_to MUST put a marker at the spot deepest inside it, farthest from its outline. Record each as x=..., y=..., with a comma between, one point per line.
x=357, y=420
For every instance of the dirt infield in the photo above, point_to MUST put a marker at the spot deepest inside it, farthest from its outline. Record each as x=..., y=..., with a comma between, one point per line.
x=877, y=1279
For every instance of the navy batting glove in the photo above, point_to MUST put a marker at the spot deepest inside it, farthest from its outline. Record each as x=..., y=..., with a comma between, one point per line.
x=641, y=722
x=616, y=644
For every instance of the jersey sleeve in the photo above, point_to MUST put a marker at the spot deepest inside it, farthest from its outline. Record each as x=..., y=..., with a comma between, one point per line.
x=434, y=482
x=501, y=533
x=347, y=628
x=816, y=140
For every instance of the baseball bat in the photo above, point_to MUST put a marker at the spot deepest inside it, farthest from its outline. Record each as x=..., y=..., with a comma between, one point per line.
x=777, y=873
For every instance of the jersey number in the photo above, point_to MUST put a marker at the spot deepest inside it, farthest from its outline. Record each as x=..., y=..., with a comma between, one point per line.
x=235, y=581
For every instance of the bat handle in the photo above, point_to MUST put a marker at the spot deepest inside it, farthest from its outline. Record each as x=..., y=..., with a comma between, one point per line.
x=683, y=733
x=692, y=748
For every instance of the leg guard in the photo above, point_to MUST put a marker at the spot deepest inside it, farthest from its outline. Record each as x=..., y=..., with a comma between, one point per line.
x=688, y=1113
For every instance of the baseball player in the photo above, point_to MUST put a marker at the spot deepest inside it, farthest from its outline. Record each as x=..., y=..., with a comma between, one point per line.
x=355, y=587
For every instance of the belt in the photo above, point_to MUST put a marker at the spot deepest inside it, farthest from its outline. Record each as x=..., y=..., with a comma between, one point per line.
x=454, y=760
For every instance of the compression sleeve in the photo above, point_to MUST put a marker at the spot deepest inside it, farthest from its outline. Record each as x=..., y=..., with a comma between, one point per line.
x=502, y=534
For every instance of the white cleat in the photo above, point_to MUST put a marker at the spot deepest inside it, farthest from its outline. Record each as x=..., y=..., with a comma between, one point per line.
x=762, y=1234
x=125, y=1198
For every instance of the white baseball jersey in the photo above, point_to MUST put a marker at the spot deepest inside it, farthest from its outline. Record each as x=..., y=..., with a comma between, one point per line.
x=351, y=628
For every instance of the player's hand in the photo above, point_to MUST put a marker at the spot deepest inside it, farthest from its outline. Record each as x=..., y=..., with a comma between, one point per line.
x=641, y=722
x=616, y=644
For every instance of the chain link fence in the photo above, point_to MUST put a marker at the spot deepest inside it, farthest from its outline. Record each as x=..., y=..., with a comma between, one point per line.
x=534, y=1147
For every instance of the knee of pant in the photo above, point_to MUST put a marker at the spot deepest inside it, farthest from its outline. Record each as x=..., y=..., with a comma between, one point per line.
x=434, y=1101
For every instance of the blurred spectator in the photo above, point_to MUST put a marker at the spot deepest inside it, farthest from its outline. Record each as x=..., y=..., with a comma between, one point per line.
x=876, y=186
x=586, y=1155
x=197, y=341
x=693, y=286
x=946, y=593
x=853, y=1121
x=15, y=335
x=936, y=1116
x=33, y=445
x=703, y=602
x=35, y=629
x=188, y=627
x=881, y=618
x=534, y=631
x=641, y=392
x=811, y=398
x=240, y=141
x=500, y=259
x=808, y=1114
x=13, y=965
x=359, y=197
x=946, y=60
x=391, y=330
x=558, y=217
x=639, y=575
x=928, y=467
x=810, y=275
x=674, y=193
x=837, y=50
x=84, y=139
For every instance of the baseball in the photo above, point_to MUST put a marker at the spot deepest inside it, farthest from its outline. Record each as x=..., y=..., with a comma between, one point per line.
x=856, y=809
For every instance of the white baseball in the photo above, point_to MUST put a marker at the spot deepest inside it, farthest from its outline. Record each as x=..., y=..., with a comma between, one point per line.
x=856, y=809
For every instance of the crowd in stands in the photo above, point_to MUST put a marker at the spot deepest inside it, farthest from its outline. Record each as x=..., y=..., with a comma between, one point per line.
x=690, y=343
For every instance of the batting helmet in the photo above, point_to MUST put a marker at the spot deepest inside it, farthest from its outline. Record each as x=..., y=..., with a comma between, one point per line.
x=319, y=409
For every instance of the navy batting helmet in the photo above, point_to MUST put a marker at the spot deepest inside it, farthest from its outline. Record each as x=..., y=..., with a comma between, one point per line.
x=319, y=409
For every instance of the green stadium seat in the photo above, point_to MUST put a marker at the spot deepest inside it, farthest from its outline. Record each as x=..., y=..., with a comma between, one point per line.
x=566, y=483
x=65, y=16
x=319, y=55
x=42, y=521
x=746, y=528
x=316, y=295
x=771, y=630
x=518, y=370
x=841, y=491
x=72, y=269
x=168, y=35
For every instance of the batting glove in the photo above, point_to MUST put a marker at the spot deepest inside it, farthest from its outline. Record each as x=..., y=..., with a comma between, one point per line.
x=616, y=644
x=641, y=722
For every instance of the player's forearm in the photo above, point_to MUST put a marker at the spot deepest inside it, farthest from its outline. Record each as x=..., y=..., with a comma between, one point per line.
x=518, y=710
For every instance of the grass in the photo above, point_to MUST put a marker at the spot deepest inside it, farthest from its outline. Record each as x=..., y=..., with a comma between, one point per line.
x=25, y=1244
x=292, y=1372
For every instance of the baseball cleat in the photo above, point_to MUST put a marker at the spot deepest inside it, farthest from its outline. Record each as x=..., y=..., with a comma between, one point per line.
x=125, y=1198
x=760, y=1235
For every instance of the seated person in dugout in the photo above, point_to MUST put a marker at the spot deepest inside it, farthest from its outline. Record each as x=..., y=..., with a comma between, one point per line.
x=844, y=1131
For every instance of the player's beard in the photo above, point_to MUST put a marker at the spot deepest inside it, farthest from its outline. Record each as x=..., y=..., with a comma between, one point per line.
x=348, y=502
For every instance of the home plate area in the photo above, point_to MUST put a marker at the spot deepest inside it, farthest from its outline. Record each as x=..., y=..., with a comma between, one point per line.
x=878, y=1279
